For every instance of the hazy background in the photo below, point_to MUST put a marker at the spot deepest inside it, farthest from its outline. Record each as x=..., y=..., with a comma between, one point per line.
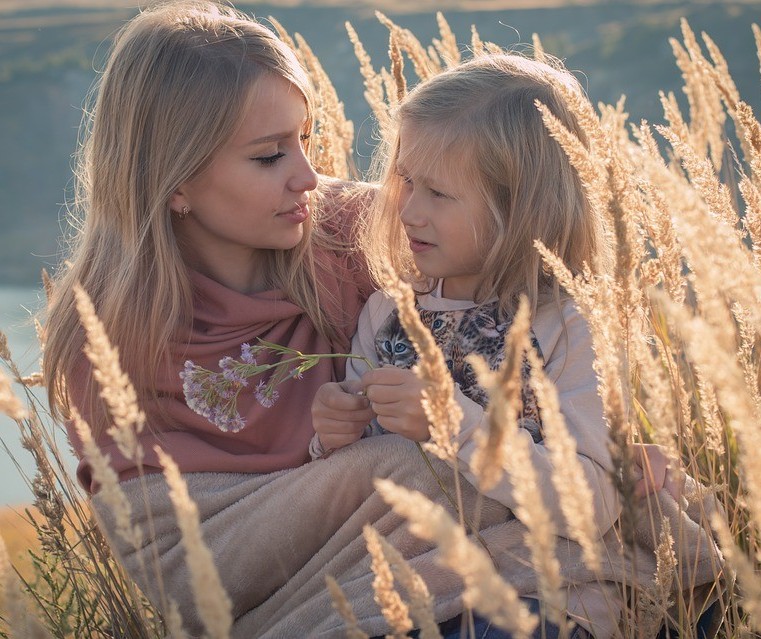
x=50, y=53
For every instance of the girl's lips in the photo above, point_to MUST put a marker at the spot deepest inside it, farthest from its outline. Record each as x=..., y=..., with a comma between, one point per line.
x=418, y=246
x=296, y=215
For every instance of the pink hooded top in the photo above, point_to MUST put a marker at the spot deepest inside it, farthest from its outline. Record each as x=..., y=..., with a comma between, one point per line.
x=273, y=438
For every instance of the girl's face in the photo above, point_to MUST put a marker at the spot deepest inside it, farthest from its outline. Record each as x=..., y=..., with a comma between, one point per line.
x=444, y=218
x=253, y=196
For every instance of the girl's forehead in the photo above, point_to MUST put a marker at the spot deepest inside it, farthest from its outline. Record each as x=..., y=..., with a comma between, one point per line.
x=426, y=152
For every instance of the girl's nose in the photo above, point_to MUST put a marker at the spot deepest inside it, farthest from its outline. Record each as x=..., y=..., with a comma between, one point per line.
x=410, y=214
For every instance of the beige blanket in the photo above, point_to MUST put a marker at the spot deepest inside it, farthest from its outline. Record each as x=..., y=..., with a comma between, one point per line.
x=275, y=537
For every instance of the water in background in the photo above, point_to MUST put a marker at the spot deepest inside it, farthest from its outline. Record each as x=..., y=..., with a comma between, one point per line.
x=17, y=306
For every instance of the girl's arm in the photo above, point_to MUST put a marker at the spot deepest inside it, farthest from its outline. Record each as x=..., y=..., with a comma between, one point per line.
x=568, y=356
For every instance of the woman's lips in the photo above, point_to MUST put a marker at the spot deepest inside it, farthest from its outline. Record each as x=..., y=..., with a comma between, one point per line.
x=418, y=246
x=296, y=215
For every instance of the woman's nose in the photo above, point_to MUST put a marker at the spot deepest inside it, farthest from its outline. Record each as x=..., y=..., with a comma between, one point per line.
x=305, y=177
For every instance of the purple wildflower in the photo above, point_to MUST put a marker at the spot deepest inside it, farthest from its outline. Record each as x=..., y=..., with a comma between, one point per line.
x=265, y=395
x=247, y=355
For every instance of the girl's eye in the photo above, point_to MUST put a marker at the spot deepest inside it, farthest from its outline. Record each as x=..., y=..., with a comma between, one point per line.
x=407, y=181
x=270, y=159
x=436, y=193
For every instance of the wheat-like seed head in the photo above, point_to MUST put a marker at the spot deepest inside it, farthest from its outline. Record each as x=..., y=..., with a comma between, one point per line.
x=484, y=588
x=116, y=389
x=343, y=607
x=173, y=621
x=476, y=44
x=447, y=45
x=19, y=621
x=212, y=602
x=576, y=497
x=108, y=482
x=443, y=412
x=9, y=403
x=420, y=599
x=394, y=610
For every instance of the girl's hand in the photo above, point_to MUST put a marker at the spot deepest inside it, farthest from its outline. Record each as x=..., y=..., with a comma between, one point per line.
x=339, y=414
x=395, y=395
x=654, y=470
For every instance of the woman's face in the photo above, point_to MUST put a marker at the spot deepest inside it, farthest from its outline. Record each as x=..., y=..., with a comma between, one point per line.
x=253, y=196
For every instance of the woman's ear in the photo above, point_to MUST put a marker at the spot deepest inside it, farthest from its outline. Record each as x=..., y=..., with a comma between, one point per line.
x=179, y=200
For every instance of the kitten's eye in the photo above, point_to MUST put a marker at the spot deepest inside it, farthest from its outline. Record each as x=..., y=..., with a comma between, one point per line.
x=387, y=346
x=450, y=364
x=437, y=323
x=401, y=347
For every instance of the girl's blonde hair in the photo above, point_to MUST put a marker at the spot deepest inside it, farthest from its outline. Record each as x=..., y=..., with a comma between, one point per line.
x=173, y=92
x=478, y=124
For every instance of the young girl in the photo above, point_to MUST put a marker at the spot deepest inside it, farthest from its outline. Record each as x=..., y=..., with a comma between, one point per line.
x=473, y=180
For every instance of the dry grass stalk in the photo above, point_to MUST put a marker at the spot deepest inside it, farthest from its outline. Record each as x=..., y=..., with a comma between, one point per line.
x=484, y=588
x=108, y=482
x=752, y=218
x=447, y=45
x=343, y=607
x=504, y=389
x=710, y=414
x=590, y=171
x=576, y=496
x=397, y=66
x=750, y=341
x=212, y=602
x=706, y=115
x=334, y=133
x=173, y=621
x=652, y=606
x=476, y=44
x=35, y=379
x=662, y=235
x=720, y=263
x=420, y=599
x=422, y=62
x=5, y=353
x=595, y=297
x=47, y=283
x=373, y=84
x=702, y=176
x=751, y=129
x=706, y=346
x=539, y=54
x=747, y=576
x=9, y=403
x=116, y=389
x=443, y=412
x=21, y=623
x=394, y=610
x=662, y=415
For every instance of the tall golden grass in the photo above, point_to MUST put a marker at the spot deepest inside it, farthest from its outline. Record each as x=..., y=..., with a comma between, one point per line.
x=676, y=325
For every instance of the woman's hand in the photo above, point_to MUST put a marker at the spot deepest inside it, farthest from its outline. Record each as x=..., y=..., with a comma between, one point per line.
x=339, y=414
x=395, y=395
x=655, y=470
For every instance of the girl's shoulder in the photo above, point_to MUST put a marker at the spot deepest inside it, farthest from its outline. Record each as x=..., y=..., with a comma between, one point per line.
x=559, y=326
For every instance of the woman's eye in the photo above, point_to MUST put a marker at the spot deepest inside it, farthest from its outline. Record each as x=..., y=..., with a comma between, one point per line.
x=436, y=193
x=270, y=159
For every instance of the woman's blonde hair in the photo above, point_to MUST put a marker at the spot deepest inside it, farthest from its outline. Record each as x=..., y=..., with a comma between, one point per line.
x=478, y=124
x=173, y=92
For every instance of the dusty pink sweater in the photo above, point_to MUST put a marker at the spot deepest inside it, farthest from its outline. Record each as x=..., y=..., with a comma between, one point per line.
x=274, y=438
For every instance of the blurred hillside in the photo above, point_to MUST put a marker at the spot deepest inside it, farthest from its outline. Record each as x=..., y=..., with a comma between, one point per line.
x=50, y=52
